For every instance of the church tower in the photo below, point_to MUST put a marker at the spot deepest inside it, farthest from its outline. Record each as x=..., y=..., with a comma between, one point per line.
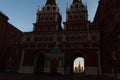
x=49, y=18
x=77, y=17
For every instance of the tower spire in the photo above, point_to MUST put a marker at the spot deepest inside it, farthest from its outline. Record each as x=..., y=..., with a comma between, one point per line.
x=67, y=5
x=38, y=7
x=76, y=1
x=86, y=4
x=51, y=2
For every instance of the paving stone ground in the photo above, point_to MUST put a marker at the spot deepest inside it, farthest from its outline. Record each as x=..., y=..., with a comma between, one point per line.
x=11, y=76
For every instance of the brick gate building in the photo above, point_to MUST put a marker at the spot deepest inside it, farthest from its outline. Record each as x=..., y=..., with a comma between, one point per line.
x=51, y=48
x=77, y=39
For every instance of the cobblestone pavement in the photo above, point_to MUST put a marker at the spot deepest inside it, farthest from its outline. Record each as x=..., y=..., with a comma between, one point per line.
x=11, y=76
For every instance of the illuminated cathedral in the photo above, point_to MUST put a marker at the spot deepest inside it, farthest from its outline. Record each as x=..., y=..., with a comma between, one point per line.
x=79, y=69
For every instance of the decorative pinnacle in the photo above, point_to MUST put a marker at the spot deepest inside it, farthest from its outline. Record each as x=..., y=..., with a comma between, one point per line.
x=38, y=7
x=51, y=2
x=76, y=1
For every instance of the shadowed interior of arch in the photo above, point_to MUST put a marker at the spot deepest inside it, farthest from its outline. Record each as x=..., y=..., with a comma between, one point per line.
x=79, y=65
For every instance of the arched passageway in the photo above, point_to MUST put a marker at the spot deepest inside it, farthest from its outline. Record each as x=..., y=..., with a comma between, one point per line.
x=39, y=63
x=77, y=63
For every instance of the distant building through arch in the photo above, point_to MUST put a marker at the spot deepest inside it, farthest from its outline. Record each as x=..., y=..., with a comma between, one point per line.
x=79, y=65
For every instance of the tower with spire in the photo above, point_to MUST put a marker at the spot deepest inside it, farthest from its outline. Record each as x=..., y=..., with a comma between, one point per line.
x=51, y=2
x=50, y=15
x=76, y=1
x=48, y=39
x=77, y=17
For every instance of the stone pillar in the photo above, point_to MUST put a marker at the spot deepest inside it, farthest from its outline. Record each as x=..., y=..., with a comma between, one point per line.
x=99, y=63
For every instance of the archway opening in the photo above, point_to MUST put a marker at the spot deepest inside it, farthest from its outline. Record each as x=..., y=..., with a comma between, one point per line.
x=79, y=65
x=39, y=62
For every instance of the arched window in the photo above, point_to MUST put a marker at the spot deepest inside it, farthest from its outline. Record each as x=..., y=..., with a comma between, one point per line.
x=54, y=8
x=28, y=39
x=51, y=18
x=76, y=6
x=48, y=8
x=71, y=7
x=41, y=18
x=82, y=6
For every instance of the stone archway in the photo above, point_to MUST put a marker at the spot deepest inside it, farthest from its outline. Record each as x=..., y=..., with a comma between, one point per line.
x=80, y=63
x=39, y=62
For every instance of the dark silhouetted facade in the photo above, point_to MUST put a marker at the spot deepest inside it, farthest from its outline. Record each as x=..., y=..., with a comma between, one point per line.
x=107, y=20
x=10, y=44
x=51, y=48
x=77, y=39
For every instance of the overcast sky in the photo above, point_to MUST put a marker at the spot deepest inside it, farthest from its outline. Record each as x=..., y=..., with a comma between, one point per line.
x=22, y=13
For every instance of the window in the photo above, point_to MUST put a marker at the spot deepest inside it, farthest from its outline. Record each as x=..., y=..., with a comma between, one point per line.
x=51, y=19
x=36, y=39
x=40, y=39
x=46, y=18
x=81, y=17
x=93, y=38
x=76, y=6
x=67, y=39
x=27, y=39
x=50, y=39
x=46, y=39
x=39, y=46
x=82, y=6
x=41, y=18
x=48, y=8
x=79, y=38
x=54, y=8
x=32, y=46
x=84, y=38
x=17, y=50
x=59, y=38
x=71, y=7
